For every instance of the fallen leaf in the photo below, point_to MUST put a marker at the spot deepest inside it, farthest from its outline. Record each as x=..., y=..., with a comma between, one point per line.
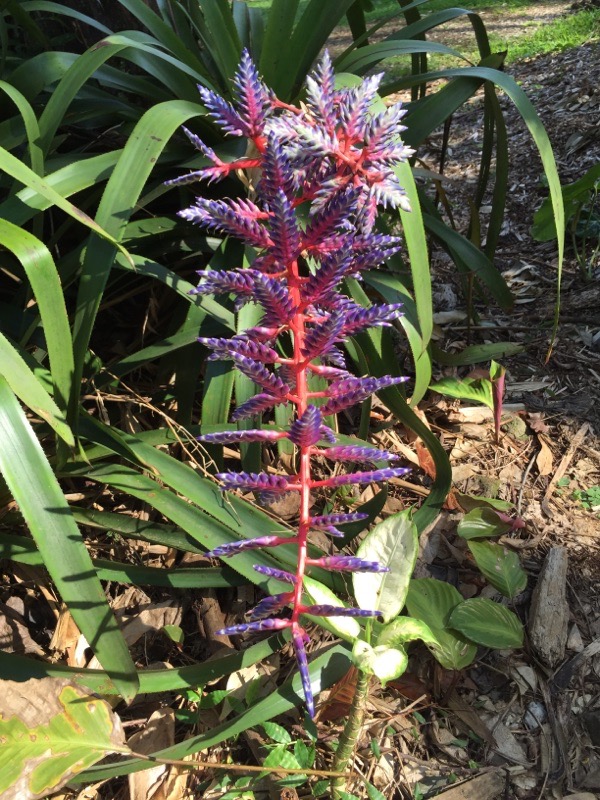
x=51, y=729
x=544, y=459
x=162, y=782
x=14, y=634
x=151, y=619
x=535, y=420
x=340, y=698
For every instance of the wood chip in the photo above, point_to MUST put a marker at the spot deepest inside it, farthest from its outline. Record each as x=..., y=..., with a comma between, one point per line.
x=549, y=614
x=487, y=786
x=562, y=467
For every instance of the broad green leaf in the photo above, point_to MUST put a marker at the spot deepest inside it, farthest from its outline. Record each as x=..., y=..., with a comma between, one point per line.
x=29, y=477
x=36, y=156
x=477, y=390
x=60, y=8
x=374, y=793
x=500, y=566
x=416, y=245
x=391, y=288
x=394, y=543
x=481, y=523
x=20, y=172
x=51, y=730
x=471, y=259
x=386, y=663
x=276, y=732
x=433, y=601
x=487, y=623
x=280, y=757
x=280, y=23
x=316, y=22
x=345, y=627
x=365, y=57
x=470, y=501
x=81, y=174
x=393, y=398
x=405, y=629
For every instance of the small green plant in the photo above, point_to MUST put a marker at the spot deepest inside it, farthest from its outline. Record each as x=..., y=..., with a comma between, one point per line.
x=588, y=498
x=582, y=214
x=488, y=390
x=449, y=625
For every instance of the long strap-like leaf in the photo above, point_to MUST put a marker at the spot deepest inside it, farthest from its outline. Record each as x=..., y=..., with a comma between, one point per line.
x=29, y=477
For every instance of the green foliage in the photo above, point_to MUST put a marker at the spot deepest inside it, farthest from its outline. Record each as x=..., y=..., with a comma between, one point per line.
x=482, y=522
x=393, y=543
x=51, y=730
x=582, y=214
x=487, y=623
x=500, y=566
x=588, y=498
x=91, y=242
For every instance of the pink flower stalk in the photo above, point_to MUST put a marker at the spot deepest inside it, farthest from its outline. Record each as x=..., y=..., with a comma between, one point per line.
x=324, y=169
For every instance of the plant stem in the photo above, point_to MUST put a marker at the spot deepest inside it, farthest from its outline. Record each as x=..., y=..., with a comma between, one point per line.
x=351, y=732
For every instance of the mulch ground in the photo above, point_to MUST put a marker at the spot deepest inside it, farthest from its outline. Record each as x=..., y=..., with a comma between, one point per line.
x=515, y=724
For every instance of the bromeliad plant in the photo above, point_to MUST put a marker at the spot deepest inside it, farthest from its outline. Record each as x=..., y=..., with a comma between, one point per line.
x=324, y=168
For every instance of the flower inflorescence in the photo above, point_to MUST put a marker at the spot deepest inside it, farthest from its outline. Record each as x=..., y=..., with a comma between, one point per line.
x=324, y=168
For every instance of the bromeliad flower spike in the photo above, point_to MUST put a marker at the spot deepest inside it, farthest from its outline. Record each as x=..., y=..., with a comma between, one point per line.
x=324, y=169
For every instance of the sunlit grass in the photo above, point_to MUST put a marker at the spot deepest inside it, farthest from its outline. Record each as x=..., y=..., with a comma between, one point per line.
x=560, y=34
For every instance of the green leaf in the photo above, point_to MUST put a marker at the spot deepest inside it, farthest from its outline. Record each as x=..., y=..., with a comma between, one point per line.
x=386, y=663
x=152, y=681
x=40, y=186
x=394, y=543
x=30, y=391
x=51, y=730
x=345, y=627
x=281, y=757
x=42, y=503
x=487, y=623
x=481, y=523
x=119, y=200
x=471, y=259
x=24, y=551
x=476, y=353
x=45, y=283
x=276, y=733
x=574, y=196
x=36, y=156
x=174, y=632
x=317, y=21
x=500, y=566
x=305, y=755
x=324, y=671
x=477, y=390
x=374, y=793
x=433, y=601
x=470, y=501
x=405, y=629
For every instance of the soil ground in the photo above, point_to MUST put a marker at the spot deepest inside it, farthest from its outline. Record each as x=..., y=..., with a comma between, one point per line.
x=547, y=462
